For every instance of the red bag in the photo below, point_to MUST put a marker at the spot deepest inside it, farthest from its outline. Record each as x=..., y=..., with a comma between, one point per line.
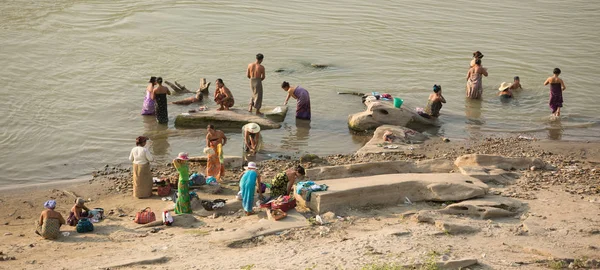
x=163, y=190
x=285, y=203
x=145, y=216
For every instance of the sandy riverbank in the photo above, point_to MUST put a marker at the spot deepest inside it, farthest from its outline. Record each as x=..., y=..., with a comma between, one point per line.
x=561, y=220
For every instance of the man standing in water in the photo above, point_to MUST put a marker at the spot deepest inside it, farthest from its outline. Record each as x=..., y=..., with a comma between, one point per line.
x=256, y=74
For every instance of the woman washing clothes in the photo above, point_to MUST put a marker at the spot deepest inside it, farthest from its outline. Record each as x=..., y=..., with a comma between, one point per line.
x=434, y=103
x=223, y=96
x=504, y=90
x=284, y=182
x=142, y=176
x=250, y=182
x=183, y=206
x=149, y=105
x=48, y=226
x=215, y=139
x=252, y=138
x=160, y=96
x=78, y=211
x=475, y=80
x=557, y=86
x=302, y=97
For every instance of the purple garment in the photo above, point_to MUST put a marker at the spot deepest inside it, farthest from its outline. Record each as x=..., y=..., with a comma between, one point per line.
x=149, y=105
x=303, y=105
x=556, y=99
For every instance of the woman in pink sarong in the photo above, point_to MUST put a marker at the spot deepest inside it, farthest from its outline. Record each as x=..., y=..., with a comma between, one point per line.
x=303, y=98
x=149, y=104
x=475, y=80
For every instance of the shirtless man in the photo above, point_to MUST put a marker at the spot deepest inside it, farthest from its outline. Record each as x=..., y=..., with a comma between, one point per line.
x=256, y=74
x=215, y=136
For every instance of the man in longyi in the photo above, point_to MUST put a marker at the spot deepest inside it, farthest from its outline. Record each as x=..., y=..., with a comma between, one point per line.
x=256, y=74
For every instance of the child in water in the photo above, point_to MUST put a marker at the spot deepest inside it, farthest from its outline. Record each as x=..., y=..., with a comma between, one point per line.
x=504, y=90
x=516, y=84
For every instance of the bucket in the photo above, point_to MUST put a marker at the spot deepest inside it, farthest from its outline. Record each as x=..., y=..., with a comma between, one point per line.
x=398, y=102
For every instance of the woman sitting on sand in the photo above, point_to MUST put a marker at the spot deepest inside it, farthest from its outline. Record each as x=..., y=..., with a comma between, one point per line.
x=50, y=221
x=142, y=176
x=248, y=184
x=252, y=138
x=149, y=104
x=303, y=98
x=284, y=182
x=78, y=211
x=223, y=96
x=182, y=206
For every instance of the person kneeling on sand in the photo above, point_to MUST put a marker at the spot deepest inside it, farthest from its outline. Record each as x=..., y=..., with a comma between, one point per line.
x=50, y=221
x=78, y=211
x=250, y=182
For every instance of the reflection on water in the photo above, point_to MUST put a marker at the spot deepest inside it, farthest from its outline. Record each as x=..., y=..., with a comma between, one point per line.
x=302, y=129
x=158, y=134
x=296, y=138
x=555, y=131
x=473, y=112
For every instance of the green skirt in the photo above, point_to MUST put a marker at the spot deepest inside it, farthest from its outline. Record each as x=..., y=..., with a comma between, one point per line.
x=280, y=185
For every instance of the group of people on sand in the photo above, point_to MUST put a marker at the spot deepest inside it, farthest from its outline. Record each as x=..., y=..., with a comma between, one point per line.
x=474, y=89
x=50, y=221
x=155, y=101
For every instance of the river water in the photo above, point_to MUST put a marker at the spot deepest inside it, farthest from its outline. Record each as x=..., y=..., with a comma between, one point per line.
x=75, y=71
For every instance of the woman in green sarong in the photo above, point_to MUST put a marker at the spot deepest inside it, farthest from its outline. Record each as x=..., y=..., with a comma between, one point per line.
x=182, y=206
x=284, y=182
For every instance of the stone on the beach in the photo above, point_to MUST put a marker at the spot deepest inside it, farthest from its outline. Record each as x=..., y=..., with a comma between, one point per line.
x=485, y=208
x=505, y=163
x=405, y=138
x=310, y=158
x=392, y=189
x=384, y=113
x=232, y=119
x=454, y=228
x=378, y=168
x=491, y=175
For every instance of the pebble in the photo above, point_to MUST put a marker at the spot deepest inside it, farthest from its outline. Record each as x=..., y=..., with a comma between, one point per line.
x=7, y=234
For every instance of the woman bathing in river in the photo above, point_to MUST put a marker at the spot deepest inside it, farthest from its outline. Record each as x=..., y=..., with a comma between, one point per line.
x=148, y=107
x=557, y=86
x=303, y=98
x=475, y=80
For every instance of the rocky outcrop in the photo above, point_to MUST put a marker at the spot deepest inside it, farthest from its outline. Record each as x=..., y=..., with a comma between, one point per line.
x=403, y=139
x=384, y=113
x=231, y=119
x=485, y=208
x=378, y=168
x=505, y=163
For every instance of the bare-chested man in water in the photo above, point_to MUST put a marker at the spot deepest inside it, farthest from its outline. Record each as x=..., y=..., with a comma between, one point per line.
x=256, y=74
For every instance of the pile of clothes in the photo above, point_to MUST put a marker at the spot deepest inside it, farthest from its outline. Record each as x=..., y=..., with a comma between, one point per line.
x=306, y=188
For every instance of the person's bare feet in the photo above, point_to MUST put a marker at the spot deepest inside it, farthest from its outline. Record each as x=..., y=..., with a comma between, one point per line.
x=258, y=112
x=219, y=109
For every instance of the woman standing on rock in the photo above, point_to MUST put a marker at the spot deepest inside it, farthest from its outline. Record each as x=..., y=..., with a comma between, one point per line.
x=160, y=96
x=149, y=104
x=182, y=206
x=284, y=182
x=303, y=98
x=142, y=176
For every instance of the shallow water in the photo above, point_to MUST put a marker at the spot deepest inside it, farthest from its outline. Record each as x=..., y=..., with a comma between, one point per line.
x=75, y=71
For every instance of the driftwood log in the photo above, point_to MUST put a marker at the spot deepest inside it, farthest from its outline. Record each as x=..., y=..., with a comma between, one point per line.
x=177, y=87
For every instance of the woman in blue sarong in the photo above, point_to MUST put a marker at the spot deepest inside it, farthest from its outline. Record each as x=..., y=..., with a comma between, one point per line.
x=250, y=180
x=303, y=98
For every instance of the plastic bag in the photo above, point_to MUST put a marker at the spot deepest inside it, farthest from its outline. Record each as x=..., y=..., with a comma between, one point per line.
x=277, y=109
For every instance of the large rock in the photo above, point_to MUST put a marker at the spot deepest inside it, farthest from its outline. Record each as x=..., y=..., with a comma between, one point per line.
x=377, y=168
x=485, y=208
x=505, y=163
x=384, y=113
x=405, y=138
x=491, y=175
x=392, y=189
x=231, y=119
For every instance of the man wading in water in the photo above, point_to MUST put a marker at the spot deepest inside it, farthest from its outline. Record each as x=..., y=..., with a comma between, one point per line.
x=256, y=74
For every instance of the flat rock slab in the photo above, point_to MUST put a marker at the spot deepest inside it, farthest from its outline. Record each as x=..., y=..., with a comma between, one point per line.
x=259, y=228
x=505, y=163
x=405, y=138
x=231, y=119
x=392, y=189
x=378, y=168
x=455, y=228
x=486, y=208
x=384, y=113
x=491, y=175
x=141, y=260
